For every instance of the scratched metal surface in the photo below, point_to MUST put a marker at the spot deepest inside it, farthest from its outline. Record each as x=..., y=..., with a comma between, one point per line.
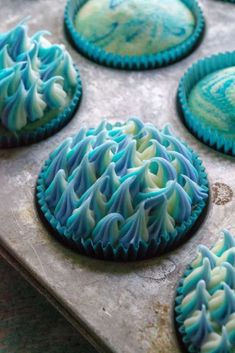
x=123, y=308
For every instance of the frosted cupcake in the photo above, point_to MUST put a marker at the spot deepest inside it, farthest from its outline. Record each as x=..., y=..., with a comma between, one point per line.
x=205, y=303
x=207, y=98
x=134, y=34
x=122, y=191
x=40, y=87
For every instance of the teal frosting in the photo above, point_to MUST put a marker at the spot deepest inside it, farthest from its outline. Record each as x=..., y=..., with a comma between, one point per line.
x=122, y=184
x=212, y=100
x=36, y=77
x=135, y=27
x=205, y=308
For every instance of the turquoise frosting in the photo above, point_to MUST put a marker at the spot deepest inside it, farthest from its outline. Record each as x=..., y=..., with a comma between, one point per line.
x=134, y=27
x=36, y=77
x=212, y=101
x=205, y=308
x=122, y=184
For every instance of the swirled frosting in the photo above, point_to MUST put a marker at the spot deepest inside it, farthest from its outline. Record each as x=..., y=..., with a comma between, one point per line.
x=122, y=184
x=206, y=313
x=212, y=100
x=134, y=27
x=36, y=78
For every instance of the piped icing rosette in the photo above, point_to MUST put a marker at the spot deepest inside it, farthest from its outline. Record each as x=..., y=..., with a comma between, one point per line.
x=205, y=303
x=207, y=97
x=122, y=191
x=134, y=33
x=39, y=86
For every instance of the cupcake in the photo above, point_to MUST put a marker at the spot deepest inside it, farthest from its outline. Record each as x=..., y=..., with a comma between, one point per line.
x=134, y=34
x=40, y=87
x=205, y=303
x=122, y=191
x=207, y=99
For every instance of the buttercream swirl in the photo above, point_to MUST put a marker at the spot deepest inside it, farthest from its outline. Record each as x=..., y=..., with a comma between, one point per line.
x=122, y=184
x=134, y=27
x=36, y=77
x=206, y=301
x=212, y=100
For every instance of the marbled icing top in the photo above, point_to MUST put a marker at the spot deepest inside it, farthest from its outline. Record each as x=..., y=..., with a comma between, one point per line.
x=206, y=313
x=135, y=27
x=212, y=100
x=122, y=184
x=36, y=77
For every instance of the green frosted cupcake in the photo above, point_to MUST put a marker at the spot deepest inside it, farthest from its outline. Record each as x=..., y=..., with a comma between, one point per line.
x=205, y=302
x=134, y=33
x=122, y=191
x=207, y=99
x=40, y=87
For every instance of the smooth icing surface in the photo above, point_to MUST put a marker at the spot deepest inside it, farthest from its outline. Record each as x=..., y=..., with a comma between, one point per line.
x=206, y=312
x=36, y=77
x=135, y=27
x=122, y=184
x=212, y=100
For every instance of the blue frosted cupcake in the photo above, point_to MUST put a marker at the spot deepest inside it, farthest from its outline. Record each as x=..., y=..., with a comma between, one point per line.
x=205, y=302
x=134, y=34
x=207, y=98
x=122, y=191
x=40, y=87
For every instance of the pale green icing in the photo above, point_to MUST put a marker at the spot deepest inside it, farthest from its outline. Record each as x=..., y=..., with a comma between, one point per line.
x=212, y=101
x=206, y=309
x=37, y=78
x=122, y=184
x=135, y=27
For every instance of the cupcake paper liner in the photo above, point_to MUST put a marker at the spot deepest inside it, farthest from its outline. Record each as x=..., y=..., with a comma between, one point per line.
x=133, y=62
x=195, y=73
x=120, y=253
x=48, y=129
x=178, y=324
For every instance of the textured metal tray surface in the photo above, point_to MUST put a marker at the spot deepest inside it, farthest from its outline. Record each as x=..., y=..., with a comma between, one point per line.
x=122, y=307
x=24, y=312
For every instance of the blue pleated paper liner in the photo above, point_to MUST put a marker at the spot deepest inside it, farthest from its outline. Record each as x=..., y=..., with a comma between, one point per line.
x=144, y=249
x=28, y=137
x=195, y=73
x=133, y=62
x=178, y=323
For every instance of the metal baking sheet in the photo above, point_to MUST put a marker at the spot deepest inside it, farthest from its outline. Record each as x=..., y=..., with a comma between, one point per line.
x=119, y=307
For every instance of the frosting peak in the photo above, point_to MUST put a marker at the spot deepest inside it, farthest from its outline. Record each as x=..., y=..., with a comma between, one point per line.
x=36, y=77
